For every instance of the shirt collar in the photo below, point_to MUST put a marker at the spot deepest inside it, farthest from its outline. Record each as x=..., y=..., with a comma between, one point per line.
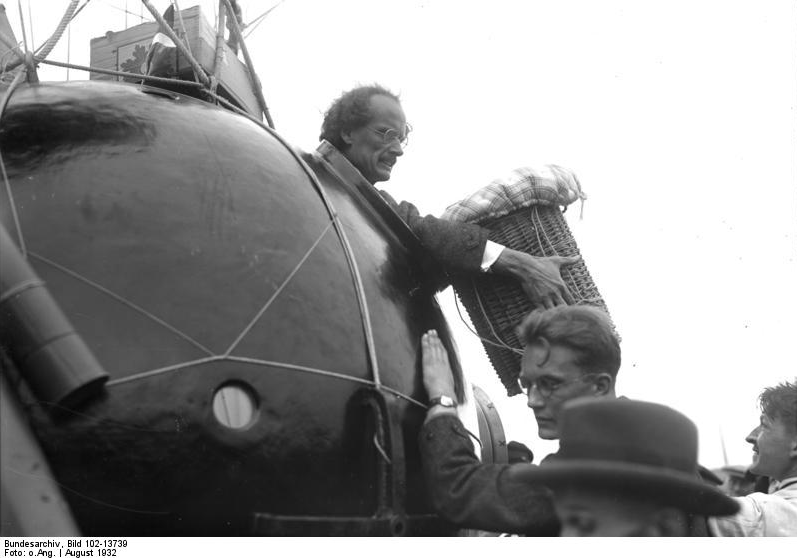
x=340, y=163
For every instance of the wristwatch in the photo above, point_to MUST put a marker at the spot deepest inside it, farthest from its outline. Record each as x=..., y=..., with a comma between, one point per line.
x=443, y=401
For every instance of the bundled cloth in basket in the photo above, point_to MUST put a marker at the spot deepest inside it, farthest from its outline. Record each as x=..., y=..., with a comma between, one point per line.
x=522, y=211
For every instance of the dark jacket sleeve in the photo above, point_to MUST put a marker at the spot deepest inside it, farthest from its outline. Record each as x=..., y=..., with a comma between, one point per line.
x=480, y=496
x=457, y=247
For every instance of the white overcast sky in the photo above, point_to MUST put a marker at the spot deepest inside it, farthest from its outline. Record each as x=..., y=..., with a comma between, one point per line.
x=678, y=117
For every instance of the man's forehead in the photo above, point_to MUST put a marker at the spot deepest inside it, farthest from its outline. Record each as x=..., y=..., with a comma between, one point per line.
x=531, y=369
x=538, y=352
x=387, y=109
x=542, y=358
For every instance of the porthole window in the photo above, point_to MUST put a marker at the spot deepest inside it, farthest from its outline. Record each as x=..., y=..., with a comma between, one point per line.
x=235, y=405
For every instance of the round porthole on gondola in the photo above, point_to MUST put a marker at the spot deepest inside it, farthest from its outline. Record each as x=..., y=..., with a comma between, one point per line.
x=235, y=405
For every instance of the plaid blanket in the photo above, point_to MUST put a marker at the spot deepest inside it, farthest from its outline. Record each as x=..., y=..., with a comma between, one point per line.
x=523, y=187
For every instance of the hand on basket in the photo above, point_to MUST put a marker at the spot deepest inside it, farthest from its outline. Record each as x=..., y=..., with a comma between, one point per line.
x=541, y=278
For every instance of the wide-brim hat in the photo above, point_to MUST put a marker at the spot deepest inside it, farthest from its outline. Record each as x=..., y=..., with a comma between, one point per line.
x=644, y=450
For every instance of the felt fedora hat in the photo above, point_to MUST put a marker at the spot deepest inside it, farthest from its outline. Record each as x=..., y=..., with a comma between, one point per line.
x=637, y=448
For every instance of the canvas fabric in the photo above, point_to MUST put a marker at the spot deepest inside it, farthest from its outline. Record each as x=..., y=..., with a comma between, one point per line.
x=549, y=185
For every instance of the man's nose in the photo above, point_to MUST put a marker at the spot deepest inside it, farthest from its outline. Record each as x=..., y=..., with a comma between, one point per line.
x=536, y=401
x=396, y=149
x=753, y=436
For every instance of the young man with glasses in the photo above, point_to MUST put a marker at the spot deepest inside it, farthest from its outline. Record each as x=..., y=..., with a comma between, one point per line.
x=571, y=352
x=368, y=127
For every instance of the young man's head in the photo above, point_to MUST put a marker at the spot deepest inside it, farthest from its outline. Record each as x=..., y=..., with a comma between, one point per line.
x=775, y=438
x=571, y=352
x=367, y=125
x=626, y=468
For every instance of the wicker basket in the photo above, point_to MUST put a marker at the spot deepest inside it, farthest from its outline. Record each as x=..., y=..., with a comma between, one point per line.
x=497, y=304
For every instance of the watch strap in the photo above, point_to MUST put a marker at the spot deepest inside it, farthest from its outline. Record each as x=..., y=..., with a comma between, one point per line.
x=443, y=401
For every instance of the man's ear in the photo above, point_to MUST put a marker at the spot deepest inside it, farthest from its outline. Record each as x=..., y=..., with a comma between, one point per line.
x=793, y=446
x=346, y=137
x=604, y=384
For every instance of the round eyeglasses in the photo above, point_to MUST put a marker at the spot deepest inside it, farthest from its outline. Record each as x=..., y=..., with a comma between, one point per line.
x=390, y=135
x=546, y=386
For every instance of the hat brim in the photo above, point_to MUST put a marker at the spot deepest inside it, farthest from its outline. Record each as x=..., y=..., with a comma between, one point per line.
x=667, y=486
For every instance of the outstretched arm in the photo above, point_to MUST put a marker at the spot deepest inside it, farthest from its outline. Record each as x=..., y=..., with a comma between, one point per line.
x=459, y=248
x=461, y=488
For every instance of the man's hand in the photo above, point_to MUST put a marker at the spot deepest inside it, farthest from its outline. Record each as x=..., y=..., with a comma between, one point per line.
x=541, y=278
x=437, y=377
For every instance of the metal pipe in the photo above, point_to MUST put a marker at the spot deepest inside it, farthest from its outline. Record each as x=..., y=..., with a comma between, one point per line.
x=50, y=355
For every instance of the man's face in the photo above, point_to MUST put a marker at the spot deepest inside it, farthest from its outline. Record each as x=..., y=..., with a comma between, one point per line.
x=584, y=513
x=774, y=448
x=366, y=147
x=553, y=367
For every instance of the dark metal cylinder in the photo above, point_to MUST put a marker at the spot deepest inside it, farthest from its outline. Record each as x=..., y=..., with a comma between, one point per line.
x=53, y=359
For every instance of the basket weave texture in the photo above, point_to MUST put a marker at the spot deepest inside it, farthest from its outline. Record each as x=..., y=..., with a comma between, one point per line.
x=497, y=304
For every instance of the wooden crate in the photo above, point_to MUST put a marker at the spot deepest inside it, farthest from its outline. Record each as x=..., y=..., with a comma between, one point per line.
x=126, y=51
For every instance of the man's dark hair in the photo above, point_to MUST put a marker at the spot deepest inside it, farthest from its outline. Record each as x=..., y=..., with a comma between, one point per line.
x=350, y=111
x=587, y=330
x=780, y=402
